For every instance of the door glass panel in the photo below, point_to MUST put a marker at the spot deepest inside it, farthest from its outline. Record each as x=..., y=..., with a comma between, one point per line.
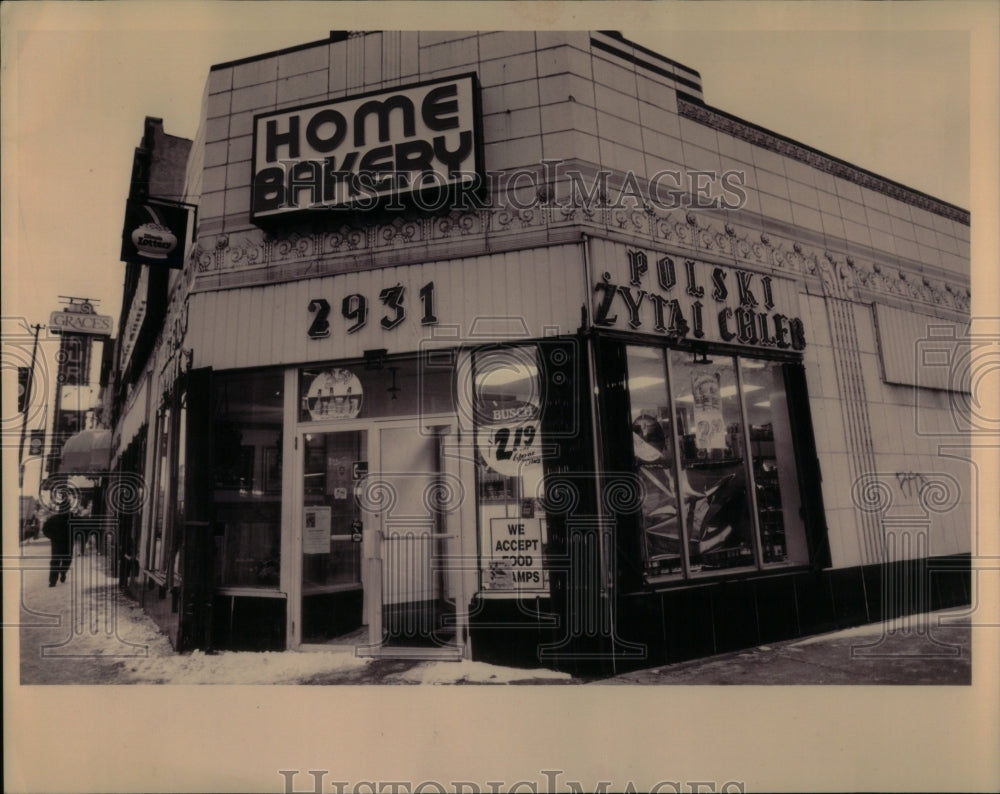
x=772, y=455
x=713, y=480
x=334, y=466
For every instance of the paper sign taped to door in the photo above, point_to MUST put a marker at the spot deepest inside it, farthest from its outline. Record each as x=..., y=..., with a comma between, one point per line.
x=500, y=576
x=316, y=530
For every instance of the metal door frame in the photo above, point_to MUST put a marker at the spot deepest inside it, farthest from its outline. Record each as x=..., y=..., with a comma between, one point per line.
x=294, y=517
x=444, y=426
x=371, y=561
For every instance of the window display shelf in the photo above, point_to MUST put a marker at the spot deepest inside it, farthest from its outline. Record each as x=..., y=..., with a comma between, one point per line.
x=250, y=592
x=716, y=463
x=318, y=589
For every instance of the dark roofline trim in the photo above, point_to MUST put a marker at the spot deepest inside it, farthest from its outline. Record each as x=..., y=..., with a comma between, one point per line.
x=600, y=45
x=341, y=35
x=614, y=34
x=693, y=108
x=335, y=36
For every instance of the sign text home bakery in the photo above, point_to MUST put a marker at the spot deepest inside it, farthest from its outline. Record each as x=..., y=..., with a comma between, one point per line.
x=360, y=151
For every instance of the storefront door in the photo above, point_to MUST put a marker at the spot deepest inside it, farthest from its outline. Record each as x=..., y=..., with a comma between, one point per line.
x=414, y=500
x=379, y=534
x=334, y=465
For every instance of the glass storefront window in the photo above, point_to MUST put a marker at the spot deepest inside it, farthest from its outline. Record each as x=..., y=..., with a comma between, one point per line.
x=653, y=450
x=154, y=560
x=248, y=410
x=709, y=434
x=772, y=457
x=177, y=541
x=507, y=407
x=414, y=386
x=181, y=456
x=163, y=553
x=712, y=445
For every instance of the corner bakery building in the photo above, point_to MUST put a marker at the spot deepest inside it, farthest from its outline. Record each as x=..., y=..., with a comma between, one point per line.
x=447, y=373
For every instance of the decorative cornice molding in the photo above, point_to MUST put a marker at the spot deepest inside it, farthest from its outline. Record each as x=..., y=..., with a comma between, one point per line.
x=239, y=257
x=716, y=119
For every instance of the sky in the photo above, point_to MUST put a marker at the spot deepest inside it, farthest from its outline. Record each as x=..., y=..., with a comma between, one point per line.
x=79, y=78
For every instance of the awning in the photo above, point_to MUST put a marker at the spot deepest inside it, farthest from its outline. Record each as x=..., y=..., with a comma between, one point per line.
x=88, y=452
x=131, y=421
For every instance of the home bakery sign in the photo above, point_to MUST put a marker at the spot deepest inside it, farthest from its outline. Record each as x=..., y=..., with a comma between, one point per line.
x=683, y=298
x=366, y=150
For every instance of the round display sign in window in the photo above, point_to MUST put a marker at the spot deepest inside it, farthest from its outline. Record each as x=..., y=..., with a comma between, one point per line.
x=334, y=394
x=511, y=443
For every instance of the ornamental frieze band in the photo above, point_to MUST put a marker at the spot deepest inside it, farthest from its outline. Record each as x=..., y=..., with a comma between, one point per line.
x=258, y=256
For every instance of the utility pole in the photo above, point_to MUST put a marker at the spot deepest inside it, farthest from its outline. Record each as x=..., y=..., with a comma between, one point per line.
x=24, y=417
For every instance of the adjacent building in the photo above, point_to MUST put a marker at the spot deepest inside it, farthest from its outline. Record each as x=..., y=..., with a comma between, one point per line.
x=510, y=346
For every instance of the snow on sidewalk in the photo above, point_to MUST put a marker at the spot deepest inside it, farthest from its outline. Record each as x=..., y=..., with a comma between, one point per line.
x=240, y=667
x=469, y=672
x=87, y=631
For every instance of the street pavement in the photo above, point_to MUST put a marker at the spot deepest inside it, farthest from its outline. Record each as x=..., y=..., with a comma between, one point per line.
x=85, y=631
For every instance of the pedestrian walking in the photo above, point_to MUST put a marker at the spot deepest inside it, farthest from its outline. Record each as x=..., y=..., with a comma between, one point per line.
x=57, y=530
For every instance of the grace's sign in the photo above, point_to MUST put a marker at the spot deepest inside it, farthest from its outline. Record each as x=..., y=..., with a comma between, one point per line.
x=358, y=152
x=80, y=323
x=686, y=299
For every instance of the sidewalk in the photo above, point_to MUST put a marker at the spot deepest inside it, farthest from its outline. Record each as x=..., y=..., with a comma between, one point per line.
x=932, y=648
x=86, y=632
